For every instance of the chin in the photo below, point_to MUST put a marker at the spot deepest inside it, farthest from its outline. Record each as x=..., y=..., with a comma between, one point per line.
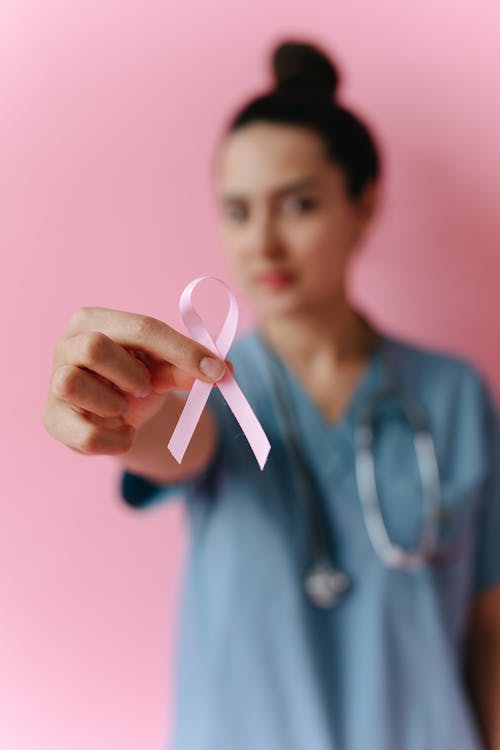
x=278, y=303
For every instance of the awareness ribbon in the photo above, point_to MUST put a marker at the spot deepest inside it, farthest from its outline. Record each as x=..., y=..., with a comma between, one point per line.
x=228, y=386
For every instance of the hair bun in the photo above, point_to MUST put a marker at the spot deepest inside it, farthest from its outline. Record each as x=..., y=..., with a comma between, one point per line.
x=304, y=68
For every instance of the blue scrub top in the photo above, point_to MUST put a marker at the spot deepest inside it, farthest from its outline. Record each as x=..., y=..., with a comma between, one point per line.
x=261, y=668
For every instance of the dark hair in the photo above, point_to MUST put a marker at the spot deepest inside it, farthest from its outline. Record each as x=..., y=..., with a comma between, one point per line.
x=306, y=81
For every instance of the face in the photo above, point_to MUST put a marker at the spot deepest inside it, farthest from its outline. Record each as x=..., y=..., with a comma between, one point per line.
x=287, y=225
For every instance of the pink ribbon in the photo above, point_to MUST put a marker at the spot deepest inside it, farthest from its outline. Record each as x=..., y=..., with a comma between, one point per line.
x=228, y=386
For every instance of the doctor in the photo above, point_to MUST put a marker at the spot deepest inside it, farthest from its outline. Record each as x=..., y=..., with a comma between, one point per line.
x=404, y=659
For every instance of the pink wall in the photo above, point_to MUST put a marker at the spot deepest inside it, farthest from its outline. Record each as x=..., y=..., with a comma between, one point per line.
x=109, y=116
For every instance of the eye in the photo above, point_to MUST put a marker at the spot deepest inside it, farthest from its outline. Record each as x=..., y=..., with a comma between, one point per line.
x=235, y=212
x=304, y=204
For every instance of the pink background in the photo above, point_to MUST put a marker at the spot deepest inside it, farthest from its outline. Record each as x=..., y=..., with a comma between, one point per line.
x=109, y=117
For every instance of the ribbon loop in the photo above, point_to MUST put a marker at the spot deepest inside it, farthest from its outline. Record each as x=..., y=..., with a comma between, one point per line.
x=228, y=386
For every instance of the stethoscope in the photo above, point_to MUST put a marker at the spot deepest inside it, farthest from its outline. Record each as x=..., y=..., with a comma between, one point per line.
x=324, y=583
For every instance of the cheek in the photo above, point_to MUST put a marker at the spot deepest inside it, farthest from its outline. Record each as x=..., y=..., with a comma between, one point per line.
x=229, y=246
x=235, y=259
x=322, y=249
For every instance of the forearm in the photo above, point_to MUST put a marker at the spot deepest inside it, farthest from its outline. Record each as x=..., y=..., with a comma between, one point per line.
x=149, y=455
x=483, y=677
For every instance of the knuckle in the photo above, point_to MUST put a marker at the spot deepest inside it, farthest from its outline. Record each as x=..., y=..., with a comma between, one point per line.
x=125, y=445
x=89, y=441
x=77, y=319
x=56, y=351
x=93, y=440
x=145, y=326
x=59, y=350
x=186, y=351
x=95, y=347
x=46, y=419
x=53, y=419
x=65, y=381
x=114, y=408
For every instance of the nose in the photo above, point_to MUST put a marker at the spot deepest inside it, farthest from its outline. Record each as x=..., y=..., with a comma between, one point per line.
x=264, y=237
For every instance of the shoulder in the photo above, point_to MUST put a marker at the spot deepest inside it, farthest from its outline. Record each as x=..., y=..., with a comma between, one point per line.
x=460, y=403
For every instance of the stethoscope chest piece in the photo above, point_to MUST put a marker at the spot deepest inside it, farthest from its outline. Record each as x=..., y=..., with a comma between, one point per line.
x=325, y=584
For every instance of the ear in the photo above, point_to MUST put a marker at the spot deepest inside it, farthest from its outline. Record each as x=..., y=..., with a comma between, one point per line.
x=365, y=208
x=369, y=202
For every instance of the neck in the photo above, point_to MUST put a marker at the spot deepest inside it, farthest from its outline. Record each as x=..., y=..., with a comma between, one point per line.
x=335, y=331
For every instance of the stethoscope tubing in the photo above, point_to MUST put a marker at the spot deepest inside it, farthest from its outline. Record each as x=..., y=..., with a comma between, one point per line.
x=393, y=555
x=324, y=583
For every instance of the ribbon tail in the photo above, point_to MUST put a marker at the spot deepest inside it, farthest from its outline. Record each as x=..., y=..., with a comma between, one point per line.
x=246, y=418
x=189, y=418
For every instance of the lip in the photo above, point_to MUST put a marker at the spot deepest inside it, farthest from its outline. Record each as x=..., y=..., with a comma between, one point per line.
x=275, y=279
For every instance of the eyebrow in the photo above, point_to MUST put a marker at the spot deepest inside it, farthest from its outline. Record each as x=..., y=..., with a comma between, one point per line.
x=291, y=187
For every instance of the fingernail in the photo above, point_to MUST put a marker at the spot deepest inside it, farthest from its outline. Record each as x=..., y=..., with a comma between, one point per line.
x=145, y=392
x=212, y=368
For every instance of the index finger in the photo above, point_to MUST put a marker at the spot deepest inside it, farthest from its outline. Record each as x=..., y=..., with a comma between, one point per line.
x=151, y=335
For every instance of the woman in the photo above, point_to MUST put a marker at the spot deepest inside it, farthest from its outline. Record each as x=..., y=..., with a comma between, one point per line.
x=264, y=661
